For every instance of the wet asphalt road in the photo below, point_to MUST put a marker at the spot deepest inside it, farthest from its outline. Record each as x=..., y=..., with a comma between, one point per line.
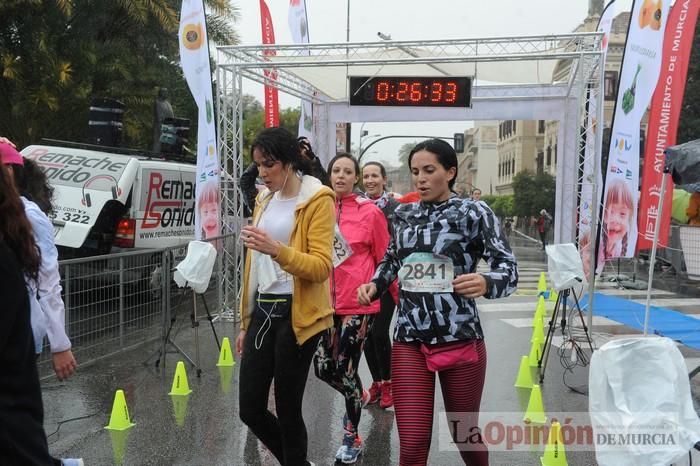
x=204, y=428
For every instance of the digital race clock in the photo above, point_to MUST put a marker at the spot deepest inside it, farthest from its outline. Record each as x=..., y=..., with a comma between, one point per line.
x=406, y=91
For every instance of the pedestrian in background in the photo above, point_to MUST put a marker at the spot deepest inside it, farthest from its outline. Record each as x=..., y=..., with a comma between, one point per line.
x=543, y=222
x=362, y=237
x=437, y=245
x=48, y=314
x=285, y=298
x=476, y=194
x=378, y=346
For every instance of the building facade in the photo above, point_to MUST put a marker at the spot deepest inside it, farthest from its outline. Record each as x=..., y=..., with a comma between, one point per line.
x=520, y=147
x=532, y=145
x=478, y=164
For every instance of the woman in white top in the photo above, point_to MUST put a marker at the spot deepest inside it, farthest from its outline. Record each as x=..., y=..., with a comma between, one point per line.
x=47, y=308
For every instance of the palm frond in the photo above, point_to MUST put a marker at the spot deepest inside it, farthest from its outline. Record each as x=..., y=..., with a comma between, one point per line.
x=65, y=6
x=65, y=71
x=10, y=70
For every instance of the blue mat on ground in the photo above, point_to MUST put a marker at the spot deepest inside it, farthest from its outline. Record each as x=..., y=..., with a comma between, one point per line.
x=662, y=321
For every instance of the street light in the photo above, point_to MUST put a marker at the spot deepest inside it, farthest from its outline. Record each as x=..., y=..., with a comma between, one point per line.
x=381, y=138
x=364, y=134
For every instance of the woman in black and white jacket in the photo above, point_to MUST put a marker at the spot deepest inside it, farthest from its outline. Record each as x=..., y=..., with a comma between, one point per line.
x=435, y=248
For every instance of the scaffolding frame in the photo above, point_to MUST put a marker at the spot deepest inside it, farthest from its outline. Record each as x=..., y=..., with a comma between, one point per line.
x=566, y=102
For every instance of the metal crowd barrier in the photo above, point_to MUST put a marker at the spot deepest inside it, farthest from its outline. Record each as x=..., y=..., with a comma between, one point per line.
x=119, y=301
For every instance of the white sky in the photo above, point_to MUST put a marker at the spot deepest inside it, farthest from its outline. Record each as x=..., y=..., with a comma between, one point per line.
x=409, y=20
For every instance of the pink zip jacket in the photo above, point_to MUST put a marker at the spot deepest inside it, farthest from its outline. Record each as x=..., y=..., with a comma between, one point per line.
x=364, y=228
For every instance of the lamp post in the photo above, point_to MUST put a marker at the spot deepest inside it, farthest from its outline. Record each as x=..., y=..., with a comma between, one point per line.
x=382, y=138
x=363, y=134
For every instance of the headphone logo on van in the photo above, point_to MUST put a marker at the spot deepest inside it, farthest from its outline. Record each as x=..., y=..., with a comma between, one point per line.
x=116, y=190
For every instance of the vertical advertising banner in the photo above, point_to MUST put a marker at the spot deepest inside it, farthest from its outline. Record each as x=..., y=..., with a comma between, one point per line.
x=589, y=206
x=639, y=75
x=664, y=114
x=194, y=58
x=272, y=111
x=299, y=26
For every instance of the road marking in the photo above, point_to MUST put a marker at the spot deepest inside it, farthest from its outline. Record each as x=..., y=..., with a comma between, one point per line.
x=671, y=302
x=523, y=323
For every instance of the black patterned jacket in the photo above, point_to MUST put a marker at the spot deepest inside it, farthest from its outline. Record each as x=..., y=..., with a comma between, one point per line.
x=465, y=231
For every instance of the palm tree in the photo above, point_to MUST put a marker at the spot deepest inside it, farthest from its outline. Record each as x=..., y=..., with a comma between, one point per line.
x=56, y=55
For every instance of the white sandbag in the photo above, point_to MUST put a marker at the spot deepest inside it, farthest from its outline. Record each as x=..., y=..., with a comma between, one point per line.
x=640, y=404
x=195, y=270
x=564, y=266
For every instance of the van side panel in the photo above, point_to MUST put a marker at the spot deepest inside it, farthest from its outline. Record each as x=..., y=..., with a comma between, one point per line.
x=164, y=210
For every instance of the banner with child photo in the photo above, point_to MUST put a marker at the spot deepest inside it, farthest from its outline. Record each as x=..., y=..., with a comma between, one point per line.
x=639, y=75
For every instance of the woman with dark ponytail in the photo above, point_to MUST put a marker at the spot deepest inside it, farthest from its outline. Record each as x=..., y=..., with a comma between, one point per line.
x=47, y=308
x=285, y=298
x=436, y=246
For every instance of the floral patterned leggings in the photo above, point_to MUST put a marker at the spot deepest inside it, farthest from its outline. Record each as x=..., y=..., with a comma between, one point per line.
x=338, y=357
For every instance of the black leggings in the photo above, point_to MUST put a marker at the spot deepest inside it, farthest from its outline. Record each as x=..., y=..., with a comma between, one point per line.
x=378, y=345
x=338, y=357
x=277, y=357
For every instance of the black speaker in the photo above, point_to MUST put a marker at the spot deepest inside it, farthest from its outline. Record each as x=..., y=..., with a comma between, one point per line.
x=105, y=124
x=173, y=135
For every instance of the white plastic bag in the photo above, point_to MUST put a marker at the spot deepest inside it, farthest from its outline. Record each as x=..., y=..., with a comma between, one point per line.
x=564, y=266
x=195, y=270
x=640, y=386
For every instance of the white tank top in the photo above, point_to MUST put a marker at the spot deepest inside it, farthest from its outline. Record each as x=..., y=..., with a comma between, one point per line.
x=277, y=220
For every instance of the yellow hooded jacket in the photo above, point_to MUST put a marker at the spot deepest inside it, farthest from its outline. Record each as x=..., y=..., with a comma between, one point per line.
x=307, y=258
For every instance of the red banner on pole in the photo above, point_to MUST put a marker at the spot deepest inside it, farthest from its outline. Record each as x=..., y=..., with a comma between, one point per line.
x=663, y=120
x=271, y=98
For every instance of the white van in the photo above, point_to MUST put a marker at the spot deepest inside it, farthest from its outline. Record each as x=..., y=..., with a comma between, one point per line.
x=106, y=202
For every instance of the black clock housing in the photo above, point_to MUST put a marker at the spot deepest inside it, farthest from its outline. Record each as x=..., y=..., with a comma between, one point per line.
x=406, y=91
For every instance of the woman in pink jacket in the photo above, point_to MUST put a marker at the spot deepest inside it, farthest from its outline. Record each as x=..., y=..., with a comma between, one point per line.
x=361, y=240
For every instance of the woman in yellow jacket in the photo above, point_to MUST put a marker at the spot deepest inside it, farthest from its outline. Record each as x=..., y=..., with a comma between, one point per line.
x=285, y=301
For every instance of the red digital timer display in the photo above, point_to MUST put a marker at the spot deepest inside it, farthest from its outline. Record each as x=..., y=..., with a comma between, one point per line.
x=410, y=91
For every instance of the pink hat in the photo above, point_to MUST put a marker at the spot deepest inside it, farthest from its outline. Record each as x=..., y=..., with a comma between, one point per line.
x=9, y=155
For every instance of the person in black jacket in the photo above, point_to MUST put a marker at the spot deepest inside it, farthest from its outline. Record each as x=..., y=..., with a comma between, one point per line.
x=250, y=191
x=22, y=436
x=378, y=345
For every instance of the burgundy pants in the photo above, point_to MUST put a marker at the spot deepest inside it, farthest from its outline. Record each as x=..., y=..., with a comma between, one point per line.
x=413, y=388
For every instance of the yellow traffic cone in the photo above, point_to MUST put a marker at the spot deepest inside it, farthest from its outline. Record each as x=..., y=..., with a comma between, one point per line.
x=225, y=355
x=554, y=452
x=542, y=283
x=524, y=379
x=118, y=438
x=180, y=385
x=535, y=410
x=538, y=331
x=180, y=408
x=225, y=376
x=539, y=314
x=119, y=420
x=535, y=353
x=542, y=306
